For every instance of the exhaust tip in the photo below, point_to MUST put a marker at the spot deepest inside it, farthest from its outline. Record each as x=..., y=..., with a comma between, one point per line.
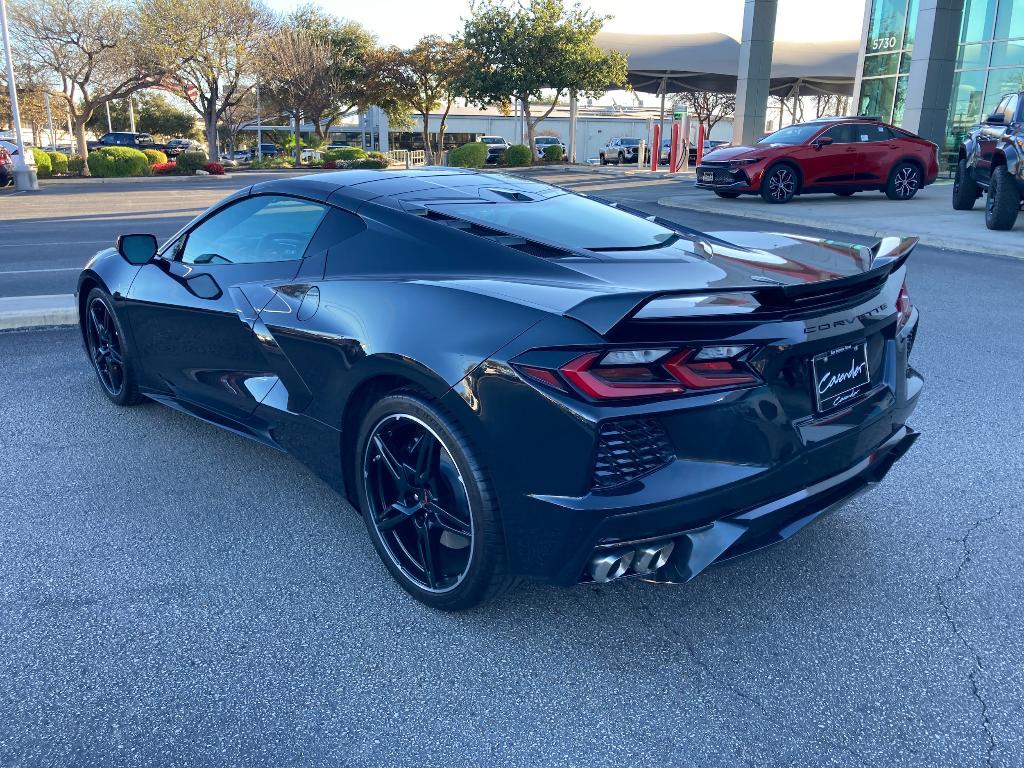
x=653, y=556
x=604, y=568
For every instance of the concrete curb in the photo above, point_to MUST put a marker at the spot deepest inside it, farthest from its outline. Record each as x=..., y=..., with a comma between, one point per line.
x=35, y=311
x=1013, y=250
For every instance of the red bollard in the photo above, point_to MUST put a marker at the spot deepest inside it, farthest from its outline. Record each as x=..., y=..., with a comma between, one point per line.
x=656, y=149
x=673, y=155
x=700, y=142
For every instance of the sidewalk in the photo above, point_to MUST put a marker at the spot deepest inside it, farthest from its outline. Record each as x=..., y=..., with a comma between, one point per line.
x=32, y=311
x=929, y=216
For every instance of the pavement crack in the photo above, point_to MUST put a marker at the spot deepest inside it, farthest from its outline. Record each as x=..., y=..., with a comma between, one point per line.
x=977, y=666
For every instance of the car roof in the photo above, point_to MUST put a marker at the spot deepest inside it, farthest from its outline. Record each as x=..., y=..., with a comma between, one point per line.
x=350, y=189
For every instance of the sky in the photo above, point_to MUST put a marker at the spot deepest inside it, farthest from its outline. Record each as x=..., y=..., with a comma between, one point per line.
x=403, y=22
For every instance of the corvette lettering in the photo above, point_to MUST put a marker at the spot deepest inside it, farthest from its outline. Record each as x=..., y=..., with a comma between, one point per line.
x=845, y=321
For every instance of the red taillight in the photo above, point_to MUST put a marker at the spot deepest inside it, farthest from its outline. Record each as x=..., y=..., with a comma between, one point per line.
x=706, y=374
x=904, y=306
x=627, y=374
x=616, y=381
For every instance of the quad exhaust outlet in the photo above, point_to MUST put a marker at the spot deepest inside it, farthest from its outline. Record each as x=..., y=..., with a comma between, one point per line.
x=644, y=559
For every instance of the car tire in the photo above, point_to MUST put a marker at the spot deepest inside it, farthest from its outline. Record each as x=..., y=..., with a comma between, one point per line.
x=727, y=195
x=620, y=159
x=779, y=184
x=1003, y=200
x=459, y=486
x=5, y=177
x=845, y=193
x=965, y=188
x=603, y=160
x=904, y=182
x=110, y=352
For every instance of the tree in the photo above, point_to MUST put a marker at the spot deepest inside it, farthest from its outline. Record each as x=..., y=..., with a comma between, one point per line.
x=212, y=52
x=154, y=113
x=708, y=107
x=518, y=52
x=429, y=76
x=32, y=90
x=237, y=118
x=346, y=84
x=93, y=51
x=298, y=68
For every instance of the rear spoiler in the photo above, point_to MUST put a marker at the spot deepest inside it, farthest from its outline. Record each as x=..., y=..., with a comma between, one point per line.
x=603, y=312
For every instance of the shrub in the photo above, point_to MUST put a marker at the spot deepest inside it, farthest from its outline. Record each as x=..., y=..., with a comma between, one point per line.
x=472, y=155
x=190, y=162
x=162, y=169
x=518, y=154
x=272, y=162
x=370, y=164
x=117, y=162
x=214, y=169
x=553, y=153
x=330, y=164
x=344, y=154
x=154, y=156
x=58, y=163
x=75, y=165
x=44, y=169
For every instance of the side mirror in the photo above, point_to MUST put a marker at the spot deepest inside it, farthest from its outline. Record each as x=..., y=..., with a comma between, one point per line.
x=822, y=141
x=996, y=118
x=137, y=249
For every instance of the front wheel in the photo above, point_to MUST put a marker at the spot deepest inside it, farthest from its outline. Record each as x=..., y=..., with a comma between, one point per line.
x=109, y=350
x=427, y=504
x=603, y=160
x=965, y=189
x=904, y=181
x=1003, y=201
x=779, y=184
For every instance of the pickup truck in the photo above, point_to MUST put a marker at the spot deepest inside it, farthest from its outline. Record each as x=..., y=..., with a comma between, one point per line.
x=990, y=162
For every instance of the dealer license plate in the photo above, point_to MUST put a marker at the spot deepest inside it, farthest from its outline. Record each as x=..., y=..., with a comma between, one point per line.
x=841, y=375
x=707, y=176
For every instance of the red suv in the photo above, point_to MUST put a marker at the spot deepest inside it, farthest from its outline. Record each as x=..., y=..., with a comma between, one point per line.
x=838, y=154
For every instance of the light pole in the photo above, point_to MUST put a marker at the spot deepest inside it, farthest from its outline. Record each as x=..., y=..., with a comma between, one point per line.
x=49, y=120
x=24, y=174
x=259, y=126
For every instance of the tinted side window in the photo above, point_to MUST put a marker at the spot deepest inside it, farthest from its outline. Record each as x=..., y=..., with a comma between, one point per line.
x=1010, y=108
x=841, y=134
x=255, y=230
x=871, y=132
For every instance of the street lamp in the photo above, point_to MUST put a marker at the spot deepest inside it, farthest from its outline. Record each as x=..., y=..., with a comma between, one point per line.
x=24, y=174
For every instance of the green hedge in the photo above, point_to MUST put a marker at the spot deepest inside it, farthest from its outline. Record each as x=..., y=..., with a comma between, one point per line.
x=75, y=165
x=553, y=153
x=344, y=154
x=44, y=168
x=371, y=162
x=472, y=155
x=58, y=163
x=190, y=162
x=154, y=156
x=518, y=154
x=117, y=162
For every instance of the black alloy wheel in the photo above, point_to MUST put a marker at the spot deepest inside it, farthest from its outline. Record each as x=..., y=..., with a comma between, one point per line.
x=965, y=188
x=427, y=506
x=779, y=184
x=1003, y=201
x=904, y=181
x=108, y=350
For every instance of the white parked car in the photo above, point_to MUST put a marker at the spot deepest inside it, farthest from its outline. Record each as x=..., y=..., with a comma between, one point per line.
x=543, y=142
x=496, y=146
x=311, y=154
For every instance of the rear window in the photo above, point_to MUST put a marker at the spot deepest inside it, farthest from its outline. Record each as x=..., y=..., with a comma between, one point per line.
x=569, y=221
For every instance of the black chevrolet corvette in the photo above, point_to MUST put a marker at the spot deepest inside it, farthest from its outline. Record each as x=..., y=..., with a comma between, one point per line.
x=510, y=380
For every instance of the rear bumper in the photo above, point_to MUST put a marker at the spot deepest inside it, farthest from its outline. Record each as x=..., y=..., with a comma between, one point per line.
x=780, y=519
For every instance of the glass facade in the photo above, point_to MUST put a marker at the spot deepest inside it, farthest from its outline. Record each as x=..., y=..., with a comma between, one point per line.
x=990, y=61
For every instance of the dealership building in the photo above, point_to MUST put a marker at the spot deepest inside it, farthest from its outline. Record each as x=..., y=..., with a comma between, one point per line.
x=939, y=67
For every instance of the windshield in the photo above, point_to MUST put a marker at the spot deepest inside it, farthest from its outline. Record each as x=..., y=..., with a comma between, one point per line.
x=630, y=142
x=492, y=140
x=792, y=135
x=569, y=221
x=546, y=140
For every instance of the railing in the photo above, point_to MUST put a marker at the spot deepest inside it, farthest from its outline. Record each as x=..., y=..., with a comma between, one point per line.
x=403, y=158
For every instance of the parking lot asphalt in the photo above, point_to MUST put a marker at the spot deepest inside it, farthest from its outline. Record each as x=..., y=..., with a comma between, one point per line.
x=174, y=594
